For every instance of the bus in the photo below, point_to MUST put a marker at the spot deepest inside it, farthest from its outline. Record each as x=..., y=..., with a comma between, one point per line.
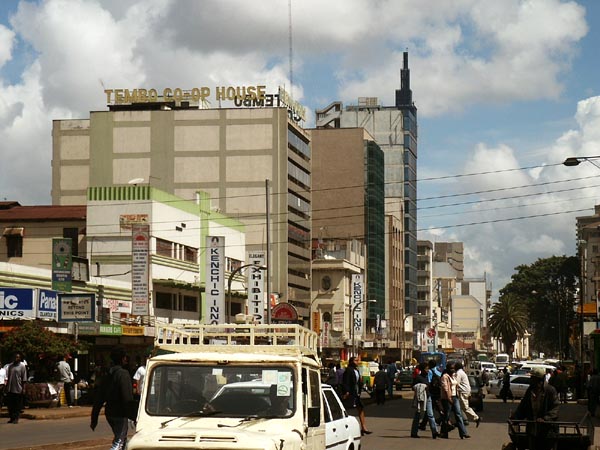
x=438, y=357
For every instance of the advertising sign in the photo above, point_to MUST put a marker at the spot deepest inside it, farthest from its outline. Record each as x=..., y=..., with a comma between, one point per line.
x=140, y=270
x=117, y=306
x=358, y=288
x=16, y=303
x=62, y=264
x=256, y=286
x=284, y=313
x=47, y=304
x=76, y=307
x=215, y=280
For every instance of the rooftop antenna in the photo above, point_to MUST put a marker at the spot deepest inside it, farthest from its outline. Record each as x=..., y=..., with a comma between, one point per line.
x=291, y=54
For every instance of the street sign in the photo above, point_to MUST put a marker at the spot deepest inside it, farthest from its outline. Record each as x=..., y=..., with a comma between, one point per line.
x=431, y=332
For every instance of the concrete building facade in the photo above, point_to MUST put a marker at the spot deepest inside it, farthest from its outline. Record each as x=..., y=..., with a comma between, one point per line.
x=248, y=160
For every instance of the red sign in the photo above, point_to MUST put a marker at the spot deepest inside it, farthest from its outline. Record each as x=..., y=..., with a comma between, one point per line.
x=284, y=313
x=431, y=332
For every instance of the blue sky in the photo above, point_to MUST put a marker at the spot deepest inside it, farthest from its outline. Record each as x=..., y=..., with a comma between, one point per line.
x=498, y=85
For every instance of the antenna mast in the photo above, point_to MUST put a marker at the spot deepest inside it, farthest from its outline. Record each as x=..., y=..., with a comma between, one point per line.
x=291, y=54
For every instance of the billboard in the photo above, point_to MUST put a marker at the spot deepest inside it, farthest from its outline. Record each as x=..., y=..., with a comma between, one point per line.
x=256, y=286
x=16, y=303
x=140, y=269
x=62, y=264
x=76, y=307
x=357, y=292
x=47, y=304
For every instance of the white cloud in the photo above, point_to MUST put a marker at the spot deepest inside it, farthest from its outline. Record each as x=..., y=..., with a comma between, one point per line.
x=7, y=39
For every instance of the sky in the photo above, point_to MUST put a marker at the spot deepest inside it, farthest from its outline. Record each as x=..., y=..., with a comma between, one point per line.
x=505, y=92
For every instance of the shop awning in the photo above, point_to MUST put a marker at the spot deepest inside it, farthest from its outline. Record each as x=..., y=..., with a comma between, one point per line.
x=13, y=231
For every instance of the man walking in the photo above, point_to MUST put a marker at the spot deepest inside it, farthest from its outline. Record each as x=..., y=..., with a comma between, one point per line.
x=380, y=382
x=464, y=392
x=117, y=393
x=391, y=371
x=66, y=376
x=15, y=385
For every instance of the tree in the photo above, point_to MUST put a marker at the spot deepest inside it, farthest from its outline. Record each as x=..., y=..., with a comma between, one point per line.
x=40, y=347
x=548, y=289
x=508, y=320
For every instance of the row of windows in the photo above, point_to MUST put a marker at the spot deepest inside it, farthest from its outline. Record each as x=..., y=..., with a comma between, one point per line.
x=175, y=302
x=299, y=175
x=176, y=251
x=299, y=145
x=14, y=243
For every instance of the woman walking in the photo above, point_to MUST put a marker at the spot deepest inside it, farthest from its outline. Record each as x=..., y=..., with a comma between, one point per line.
x=450, y=403
x=352, y=390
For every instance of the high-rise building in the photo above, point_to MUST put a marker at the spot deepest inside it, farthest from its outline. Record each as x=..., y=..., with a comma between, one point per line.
x=395, y=131
x=254, y=163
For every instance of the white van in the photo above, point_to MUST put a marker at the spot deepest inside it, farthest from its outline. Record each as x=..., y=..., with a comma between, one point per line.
x=502, y=360
x=239, y=386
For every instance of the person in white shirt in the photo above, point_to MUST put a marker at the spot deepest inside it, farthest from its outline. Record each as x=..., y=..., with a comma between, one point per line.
x=2, y=384
x=464, y=392
x=138, y=377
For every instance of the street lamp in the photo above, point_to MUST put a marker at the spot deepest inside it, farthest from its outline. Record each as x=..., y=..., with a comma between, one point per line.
x=352, y=310
x=576, y=160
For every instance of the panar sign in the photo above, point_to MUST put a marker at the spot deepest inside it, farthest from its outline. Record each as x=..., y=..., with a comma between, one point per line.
x=47, y=304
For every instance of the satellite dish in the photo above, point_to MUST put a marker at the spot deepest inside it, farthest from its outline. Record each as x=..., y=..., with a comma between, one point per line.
x=135, y=181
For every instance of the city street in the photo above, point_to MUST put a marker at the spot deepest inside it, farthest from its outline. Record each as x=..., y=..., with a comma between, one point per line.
x=390, y=424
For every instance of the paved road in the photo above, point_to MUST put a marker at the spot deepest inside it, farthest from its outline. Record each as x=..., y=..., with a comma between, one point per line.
x=390, y=424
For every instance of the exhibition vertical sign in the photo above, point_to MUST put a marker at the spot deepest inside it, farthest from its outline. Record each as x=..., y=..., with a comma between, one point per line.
x=140, y=269
x=62, y=264
x=358, y=289
x=215, y=280
x=256, y=286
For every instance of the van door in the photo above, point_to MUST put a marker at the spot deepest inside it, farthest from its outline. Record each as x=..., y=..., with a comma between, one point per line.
x=312, y=398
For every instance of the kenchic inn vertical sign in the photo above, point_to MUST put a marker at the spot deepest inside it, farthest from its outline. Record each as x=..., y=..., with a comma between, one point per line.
x=358, y=288
x=215, y=280
x=256, y=286
x=140, y=269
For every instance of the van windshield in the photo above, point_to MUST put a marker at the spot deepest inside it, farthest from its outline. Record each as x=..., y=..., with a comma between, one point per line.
x=502, y=358
x=224, y=391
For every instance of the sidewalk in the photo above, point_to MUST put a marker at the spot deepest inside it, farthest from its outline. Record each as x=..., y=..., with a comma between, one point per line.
x=62, y=412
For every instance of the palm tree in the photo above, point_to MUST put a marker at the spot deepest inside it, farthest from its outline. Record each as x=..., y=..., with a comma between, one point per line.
x=508, y=320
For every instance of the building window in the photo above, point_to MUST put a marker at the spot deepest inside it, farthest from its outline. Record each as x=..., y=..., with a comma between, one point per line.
x=73, y=234
x=163, y=300
x=163, y=248
x=14, y=246
x=191, y=255
x=190, y=303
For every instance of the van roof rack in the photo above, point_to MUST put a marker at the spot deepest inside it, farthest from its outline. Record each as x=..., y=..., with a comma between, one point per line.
x=280, y=338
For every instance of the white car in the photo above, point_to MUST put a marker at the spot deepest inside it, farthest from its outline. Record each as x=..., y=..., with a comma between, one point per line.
x=342, y=431
x=518, y=386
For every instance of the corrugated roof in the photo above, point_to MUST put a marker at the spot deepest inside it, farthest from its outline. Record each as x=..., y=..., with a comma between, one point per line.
x=49, y=212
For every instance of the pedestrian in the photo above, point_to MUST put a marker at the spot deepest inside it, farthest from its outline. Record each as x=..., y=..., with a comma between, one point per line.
x=380, y=383
x=434, y=402
x=485, y=377
x=138, y=377
x=463, y=389
x=352, y=390
x=450, y=403
x=562, y=384
x=505, y=392
x=66, y=376
x=15, y=387
x=593, y=392
x=2, y=384
x=115, y=391
x=539, y=406
x=331, y=375
x=422, y=403
x=339, y=373
x=391, y=371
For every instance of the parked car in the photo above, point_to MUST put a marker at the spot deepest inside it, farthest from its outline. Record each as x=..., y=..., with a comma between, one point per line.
x=403, y=379
x=477, y=393
x=342, y=431
x=518, y=386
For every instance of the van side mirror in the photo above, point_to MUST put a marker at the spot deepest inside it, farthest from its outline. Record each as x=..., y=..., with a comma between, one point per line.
x=314, y=416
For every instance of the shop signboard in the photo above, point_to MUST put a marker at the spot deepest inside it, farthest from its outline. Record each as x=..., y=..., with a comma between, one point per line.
x=16, y=303
x=215, y=280
x=47, y=304
x=140, y=269
x=76, y=307
x=256, y=286
x=62, y=264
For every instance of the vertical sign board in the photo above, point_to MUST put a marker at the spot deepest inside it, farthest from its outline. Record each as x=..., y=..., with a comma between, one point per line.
x=256, y=286
x=140, y=269
x=76, y=307
x=215, y=280
x=62, y=264
x=358, y=287
x=16, y=304
x=47, y=304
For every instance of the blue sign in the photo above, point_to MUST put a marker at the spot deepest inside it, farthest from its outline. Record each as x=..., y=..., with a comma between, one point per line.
x=16, y=303
x=47, y=304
